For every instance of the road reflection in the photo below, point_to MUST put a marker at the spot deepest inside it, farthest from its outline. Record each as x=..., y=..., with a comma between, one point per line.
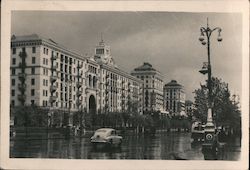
x=162, y=145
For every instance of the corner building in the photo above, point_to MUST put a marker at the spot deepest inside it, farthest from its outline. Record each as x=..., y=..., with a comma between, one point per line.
x=44, y=73
x=152, y=86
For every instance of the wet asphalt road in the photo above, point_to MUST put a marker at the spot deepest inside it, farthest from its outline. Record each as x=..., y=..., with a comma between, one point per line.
x=161, y=146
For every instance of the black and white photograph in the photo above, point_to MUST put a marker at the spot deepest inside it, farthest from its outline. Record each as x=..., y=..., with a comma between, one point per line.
x=128, y=85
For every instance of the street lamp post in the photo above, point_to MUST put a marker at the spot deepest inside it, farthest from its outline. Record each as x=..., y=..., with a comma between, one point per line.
x=210, y=136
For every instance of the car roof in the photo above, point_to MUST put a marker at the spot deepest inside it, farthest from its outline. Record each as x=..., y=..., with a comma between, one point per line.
x=105, y=129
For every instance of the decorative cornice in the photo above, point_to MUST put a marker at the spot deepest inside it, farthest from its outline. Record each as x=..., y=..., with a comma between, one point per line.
x=48, y=44
x=123, y=73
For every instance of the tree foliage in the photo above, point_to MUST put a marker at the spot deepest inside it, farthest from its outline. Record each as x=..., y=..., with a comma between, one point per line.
x=30, y=116
x=225, y=108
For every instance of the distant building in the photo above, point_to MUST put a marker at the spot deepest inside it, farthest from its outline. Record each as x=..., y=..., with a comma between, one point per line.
x=189, y=107
x=174, y=98
x=153, y=86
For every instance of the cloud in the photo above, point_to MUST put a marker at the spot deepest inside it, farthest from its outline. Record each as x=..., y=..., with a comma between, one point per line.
x=168, y=40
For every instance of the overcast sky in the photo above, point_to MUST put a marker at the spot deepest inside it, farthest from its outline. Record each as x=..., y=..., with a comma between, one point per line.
x=168, y=40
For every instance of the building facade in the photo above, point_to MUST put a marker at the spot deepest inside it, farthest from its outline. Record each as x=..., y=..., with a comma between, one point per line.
x=44, y=73
x=174, y=98
x=152, y=87
x=119, y=90
x=189, y=107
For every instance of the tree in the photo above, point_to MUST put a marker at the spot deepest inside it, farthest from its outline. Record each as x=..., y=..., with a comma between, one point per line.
x=30, y=116
x=225, y=110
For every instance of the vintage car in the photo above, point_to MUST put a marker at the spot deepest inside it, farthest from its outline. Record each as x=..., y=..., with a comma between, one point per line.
x=197, y=131
x=106, y=137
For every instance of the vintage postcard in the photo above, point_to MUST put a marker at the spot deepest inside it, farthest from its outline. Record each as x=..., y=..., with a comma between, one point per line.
x=125, y=85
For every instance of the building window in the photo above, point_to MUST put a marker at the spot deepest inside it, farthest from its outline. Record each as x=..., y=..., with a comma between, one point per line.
x=66, y=59
x=23, y=49
x=61, y=58
x=13, y=82
x=13, y=61
x=46, y=82
x=47, y=52
x=32, y=102
x=46, y=93
x=99, y=51
x=12, y=92
x=13, y=71
x=46, y=61
x=13, y=50
x=33, y=70
x=33, y=60
x=65, y=68
x=32, y=92
x=32, y=81
x=33, y=49
x=12, y=102
x=61, y=67
x=174, y=106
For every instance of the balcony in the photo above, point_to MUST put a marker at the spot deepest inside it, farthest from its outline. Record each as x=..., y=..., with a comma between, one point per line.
x=22, y=75
x=22, y=87
x=52, y=99
x=21, y=97
x=79, y=66
x=78, y=102
x=79, y=84
x=53, y=79
x=79, y=93
x=79, y=76
x=22, y=65
x=54, y=57
x=53, y=68
x=53, y=88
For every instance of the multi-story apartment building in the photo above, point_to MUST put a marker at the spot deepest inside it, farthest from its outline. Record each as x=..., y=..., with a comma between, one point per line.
x=119, y=90
x=44, y=73
x=152, y=86
x=174, y=98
